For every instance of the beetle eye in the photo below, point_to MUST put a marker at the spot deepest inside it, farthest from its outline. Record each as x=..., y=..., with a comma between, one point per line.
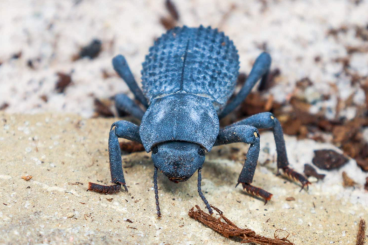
x=154, y=150
x=201, y=151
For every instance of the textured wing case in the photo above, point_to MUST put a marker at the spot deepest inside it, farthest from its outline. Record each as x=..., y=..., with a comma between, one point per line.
x=199, y=61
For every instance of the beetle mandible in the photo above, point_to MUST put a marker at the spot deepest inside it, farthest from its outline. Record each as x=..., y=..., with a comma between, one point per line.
x=188, y=77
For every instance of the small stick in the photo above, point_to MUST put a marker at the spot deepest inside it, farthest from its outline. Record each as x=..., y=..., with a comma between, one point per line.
x=229, y=229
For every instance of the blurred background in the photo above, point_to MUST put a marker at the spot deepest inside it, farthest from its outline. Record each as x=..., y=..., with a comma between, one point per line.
x=55, y=63
x=55, y=56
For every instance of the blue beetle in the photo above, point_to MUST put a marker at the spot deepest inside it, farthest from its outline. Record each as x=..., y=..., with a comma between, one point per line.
x=188, y=77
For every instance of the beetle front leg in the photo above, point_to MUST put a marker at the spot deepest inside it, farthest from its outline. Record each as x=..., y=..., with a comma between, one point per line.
x=120, y=129
x=249, y=135
x=267, y=120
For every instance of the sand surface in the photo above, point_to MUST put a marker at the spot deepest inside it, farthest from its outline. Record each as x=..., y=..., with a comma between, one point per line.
x=63, y=153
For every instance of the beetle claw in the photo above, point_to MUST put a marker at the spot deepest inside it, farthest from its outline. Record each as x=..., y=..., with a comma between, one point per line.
x=125, y=188
x=256, y=191
x=295, y=176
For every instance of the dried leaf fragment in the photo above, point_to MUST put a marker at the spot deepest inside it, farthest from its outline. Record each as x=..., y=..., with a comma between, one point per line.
x=4, y=106
x=361, y=233
x=347, y=181
x=27, y=177
x=363, y=164
x=131, y=146
x=289, y=199
x=102, y=109
x=172, y=9
x=167, y=22
x=329, y=159
x=310, y=171
x=64, y=81
x=92, y=50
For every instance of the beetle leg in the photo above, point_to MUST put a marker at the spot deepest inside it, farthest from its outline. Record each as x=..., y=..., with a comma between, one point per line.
x=260, y=70
x=267, y=120
x=121, y=129
x=124, y=104
x=256, y=191
x=247, y=134
x=122, y=68
x=295, y=176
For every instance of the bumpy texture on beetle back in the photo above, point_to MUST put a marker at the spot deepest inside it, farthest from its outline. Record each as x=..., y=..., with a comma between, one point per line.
x=199, y=61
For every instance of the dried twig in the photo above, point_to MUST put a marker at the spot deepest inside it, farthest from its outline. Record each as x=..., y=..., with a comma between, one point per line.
x=229, y=229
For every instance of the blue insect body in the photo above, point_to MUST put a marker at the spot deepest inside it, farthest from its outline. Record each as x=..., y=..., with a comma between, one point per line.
x=188, y=77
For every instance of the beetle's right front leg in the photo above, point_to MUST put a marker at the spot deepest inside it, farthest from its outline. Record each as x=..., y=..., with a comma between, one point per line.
x=120, y=129
x=249, y=135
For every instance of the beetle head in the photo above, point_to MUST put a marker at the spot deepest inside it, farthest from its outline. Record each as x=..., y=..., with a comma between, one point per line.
x=178, y=160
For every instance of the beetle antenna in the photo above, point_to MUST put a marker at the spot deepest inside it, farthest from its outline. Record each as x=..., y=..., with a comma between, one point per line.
x=201, y=194
x=156, y=193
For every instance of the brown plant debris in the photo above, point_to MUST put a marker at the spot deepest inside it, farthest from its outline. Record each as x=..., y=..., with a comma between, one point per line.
x=242, y=77
x=102, y=109
x=229, y=229
x=270, y=82
x=172, y=9
x=347, y=181
x=27, y=177
x=362, y=158
x=310, y=171
x=4, y=106
x=361, y=233
x=329, y=159
x=17, y=55
x=44, y=98
x=170, y=21
x=289, y=199
x=131, y=146
x=255, y=103
x=167, y=22
x=366, y=184
x=64, y=81
x=92, y=50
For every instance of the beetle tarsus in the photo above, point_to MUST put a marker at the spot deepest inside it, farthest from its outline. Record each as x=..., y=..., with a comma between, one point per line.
x=106, y=189
x=256, y=191
x=295, y=176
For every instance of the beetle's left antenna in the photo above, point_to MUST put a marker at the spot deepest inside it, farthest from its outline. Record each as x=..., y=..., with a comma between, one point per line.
x=201, y=194
x=121, y=67
x=156, y=193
